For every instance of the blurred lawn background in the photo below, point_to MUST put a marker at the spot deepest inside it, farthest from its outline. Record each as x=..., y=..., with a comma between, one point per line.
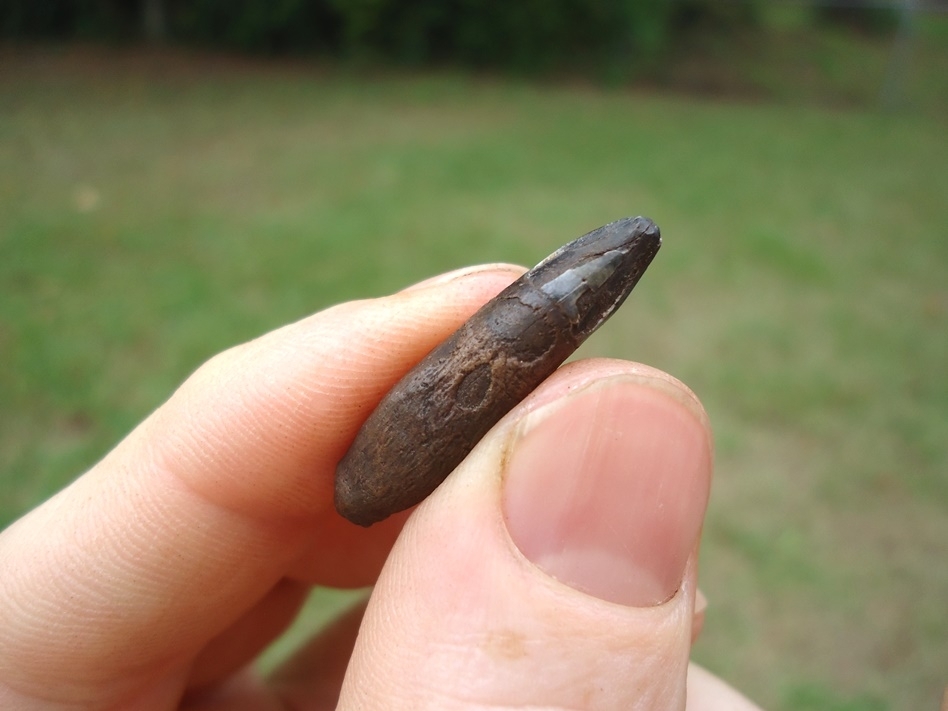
x=157, y=206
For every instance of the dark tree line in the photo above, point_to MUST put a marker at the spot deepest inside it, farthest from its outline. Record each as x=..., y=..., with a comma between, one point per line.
x=520, y=34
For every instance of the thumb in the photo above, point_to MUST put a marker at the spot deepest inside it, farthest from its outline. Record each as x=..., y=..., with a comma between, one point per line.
x=556, y=567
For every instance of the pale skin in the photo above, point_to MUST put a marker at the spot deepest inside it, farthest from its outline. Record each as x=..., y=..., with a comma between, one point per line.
x=156, y=578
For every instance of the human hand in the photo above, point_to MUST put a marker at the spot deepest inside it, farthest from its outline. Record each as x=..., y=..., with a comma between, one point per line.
x=556, y=568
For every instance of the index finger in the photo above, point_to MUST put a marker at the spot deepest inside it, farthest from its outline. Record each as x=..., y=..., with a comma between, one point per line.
x=207, y=504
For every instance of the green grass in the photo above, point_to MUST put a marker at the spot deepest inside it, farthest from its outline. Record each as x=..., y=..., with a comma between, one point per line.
x=155, y=209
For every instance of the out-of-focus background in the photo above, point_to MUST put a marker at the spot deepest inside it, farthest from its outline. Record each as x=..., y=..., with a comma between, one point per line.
x=177, y=177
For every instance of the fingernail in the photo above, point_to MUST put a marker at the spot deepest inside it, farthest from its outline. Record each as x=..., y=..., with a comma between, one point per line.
x=701, y=602
x=697, y=622
x=605, y=489
x=448, y=277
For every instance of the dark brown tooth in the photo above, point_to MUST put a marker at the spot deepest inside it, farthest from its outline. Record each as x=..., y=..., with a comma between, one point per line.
x=429, y=422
